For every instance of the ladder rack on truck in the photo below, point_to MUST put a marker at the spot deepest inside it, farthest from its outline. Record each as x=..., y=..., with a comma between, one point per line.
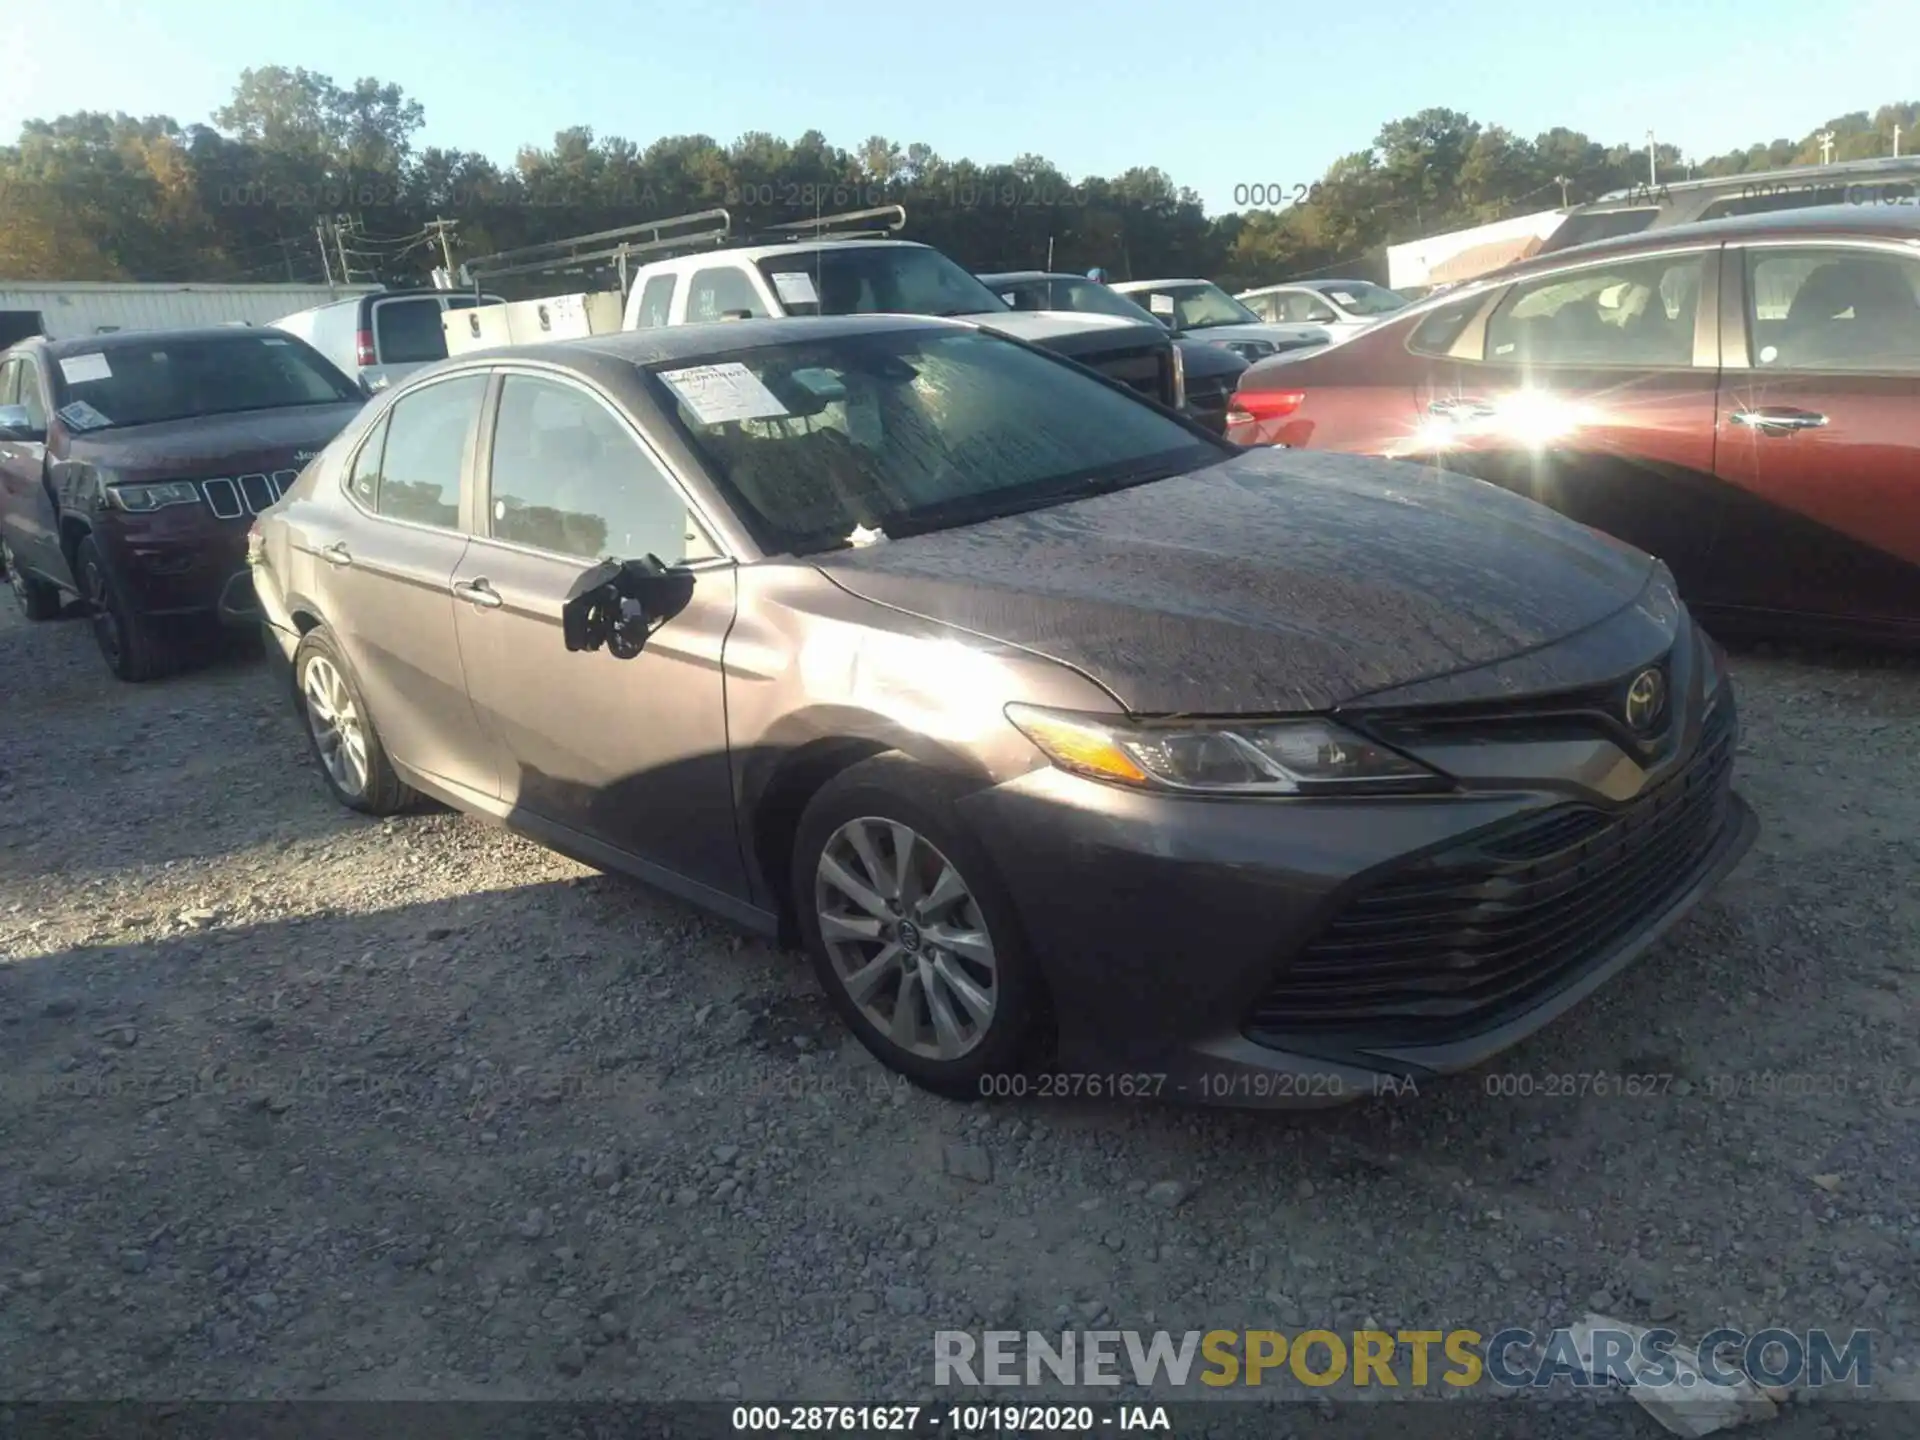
x=574, y=316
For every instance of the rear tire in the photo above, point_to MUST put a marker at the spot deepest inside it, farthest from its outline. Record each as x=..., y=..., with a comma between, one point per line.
x=131, y=644
x=346, y=746
x=914, y=940
x=36, y=598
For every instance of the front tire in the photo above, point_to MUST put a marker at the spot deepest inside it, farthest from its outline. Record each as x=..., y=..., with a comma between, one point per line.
x=346, y=746
x=914, y=941
x=36, y=598
x=130, y=643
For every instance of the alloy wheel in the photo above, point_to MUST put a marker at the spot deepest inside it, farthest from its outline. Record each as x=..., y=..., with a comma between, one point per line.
x=906, y=938
x=335, y=723
x=16, y=581
x=106, y=624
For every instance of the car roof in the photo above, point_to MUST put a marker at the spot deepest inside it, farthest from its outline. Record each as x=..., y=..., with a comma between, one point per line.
x=712, y=339
x=1329, y=284
x=122, y=339
x=1146, y=284
x=753, y=253
x=1841, y=221
x=1003, y=277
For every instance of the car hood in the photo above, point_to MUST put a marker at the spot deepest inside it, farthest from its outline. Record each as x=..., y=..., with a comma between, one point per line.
x=1072, y=332
x=1275, y=581
x=209, y=444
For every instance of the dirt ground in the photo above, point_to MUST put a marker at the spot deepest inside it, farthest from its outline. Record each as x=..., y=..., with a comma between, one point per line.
x=297, y=1104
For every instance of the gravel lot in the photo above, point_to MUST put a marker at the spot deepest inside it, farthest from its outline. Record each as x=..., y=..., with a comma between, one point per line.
x=294, y=1103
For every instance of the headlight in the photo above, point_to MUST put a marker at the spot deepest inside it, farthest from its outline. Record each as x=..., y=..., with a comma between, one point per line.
x=141, y=497
x=1262, y=757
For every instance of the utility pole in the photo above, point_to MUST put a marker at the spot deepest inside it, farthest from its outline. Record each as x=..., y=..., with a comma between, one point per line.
x=1653, y=170
x=1825, y=137
x=340, y=245
x=440, y=228
x=320, y=233
x=1562, y=181
x=1896, y=142
x=286, y=254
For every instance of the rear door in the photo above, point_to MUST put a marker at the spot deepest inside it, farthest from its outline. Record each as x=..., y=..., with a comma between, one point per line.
x=407, y=334
x=629, y=753
x=386, y=578
x=29, y=517
x=1820, y=431
x=1592, y=390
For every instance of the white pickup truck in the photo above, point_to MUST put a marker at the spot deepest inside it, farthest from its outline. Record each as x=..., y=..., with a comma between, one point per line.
x=823, y=273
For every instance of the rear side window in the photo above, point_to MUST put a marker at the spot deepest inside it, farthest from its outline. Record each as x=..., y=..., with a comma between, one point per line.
x=10, y=382
x=29, y=395
x=408, y=332
x=656, y=302
x=720, y=291
x=1441, y=329
x=429, y=436
x=1634, y=312
x=364, y=479
x=1833, y=309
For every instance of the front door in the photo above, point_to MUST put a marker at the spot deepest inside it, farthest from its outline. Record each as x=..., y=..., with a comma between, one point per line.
x=386, y=580
x=29, y=518
x=1820, y=436
x=630, y=753
x=1594, y=393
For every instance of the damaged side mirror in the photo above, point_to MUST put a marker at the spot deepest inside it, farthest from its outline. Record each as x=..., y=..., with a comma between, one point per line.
x=620, y=603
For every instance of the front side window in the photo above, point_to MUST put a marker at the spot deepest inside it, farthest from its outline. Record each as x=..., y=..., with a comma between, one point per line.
x=877, y=280
x=409, y=332
x=1833, y=309
x=656, y=302
x=569, y=477
x=429, y=436
x=144, y=382
x=1632, y=312
x=721, y=292
x=910, y=430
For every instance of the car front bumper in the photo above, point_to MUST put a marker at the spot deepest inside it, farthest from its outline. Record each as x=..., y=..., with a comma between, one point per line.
x=175, y=561
x=1166, y=927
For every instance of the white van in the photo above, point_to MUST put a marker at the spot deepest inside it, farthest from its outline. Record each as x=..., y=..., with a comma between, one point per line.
x=377, y=339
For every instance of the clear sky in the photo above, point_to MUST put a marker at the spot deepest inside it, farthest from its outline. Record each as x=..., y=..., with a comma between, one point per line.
x=1217, y=96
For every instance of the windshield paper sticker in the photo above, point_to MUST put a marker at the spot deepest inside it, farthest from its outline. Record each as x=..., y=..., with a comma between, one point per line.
x=79, y=369
x=795, y=287
x=719, y=393
x=82, y=416
x=1341, y=296
x=1160, y=304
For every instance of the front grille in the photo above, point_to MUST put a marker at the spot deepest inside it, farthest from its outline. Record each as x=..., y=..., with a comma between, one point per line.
x=1453, y=943
x=233, y=498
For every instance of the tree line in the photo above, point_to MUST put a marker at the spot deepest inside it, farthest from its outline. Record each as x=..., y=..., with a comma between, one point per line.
x=299, y=178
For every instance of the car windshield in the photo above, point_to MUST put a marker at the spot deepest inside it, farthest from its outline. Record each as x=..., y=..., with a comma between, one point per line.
x=833, y=442
x=1088, y=297
x=175, y=377
x=1361, y=297
x=1197, y=306
x=876, y=280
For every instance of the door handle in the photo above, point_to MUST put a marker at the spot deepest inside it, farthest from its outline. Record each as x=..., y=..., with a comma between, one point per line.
x=1460, y=409
x=1779, y=421
x=337, y=554
x=479, y=592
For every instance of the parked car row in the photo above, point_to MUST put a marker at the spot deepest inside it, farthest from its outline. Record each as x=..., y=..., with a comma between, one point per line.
x=1050, y=722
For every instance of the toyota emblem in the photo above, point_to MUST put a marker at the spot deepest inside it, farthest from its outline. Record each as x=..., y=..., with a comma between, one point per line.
x=1646, y=699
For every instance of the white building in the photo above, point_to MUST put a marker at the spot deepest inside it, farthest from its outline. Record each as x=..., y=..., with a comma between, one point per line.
x=68, y=309
x=1466, y=254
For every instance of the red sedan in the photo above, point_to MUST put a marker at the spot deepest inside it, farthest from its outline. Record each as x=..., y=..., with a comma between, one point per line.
x=1740, y=397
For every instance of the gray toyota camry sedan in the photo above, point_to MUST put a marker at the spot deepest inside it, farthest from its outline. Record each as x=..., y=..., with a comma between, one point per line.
x=1071, y=742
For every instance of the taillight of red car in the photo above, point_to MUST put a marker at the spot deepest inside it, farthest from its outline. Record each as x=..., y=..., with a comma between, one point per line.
x=363, y=348
x=1254, y=417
